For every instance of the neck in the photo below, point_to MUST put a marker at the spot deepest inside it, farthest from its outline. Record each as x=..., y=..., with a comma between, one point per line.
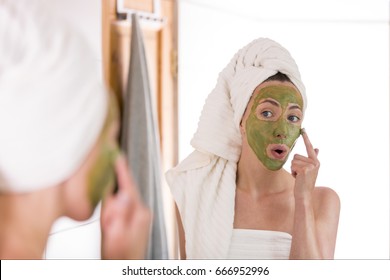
x=25, y=223
x=255, y=178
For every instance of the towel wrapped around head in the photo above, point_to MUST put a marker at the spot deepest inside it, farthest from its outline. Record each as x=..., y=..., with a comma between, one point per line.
x=52, y=102
x=203, y=184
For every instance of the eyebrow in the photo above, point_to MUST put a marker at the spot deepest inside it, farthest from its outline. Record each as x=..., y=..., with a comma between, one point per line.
x=273, y=102
x=294, y=106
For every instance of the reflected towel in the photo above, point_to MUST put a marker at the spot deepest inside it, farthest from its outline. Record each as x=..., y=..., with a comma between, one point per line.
x=260, y=245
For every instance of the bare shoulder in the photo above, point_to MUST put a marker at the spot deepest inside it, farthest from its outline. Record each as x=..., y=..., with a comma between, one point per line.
x=326, y=200
x=325, y=193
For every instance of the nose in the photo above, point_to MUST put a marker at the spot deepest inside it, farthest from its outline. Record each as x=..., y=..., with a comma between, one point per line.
x=280, y=135
x=280, y=131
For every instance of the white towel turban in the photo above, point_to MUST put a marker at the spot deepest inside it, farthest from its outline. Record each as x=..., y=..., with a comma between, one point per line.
x=203, y=185
x=52, y=102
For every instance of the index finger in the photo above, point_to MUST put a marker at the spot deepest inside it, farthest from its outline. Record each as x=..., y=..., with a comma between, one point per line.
x=126, y=184
x=309, y=147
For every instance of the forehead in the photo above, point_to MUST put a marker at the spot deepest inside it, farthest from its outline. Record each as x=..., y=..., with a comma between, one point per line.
x=284, y=93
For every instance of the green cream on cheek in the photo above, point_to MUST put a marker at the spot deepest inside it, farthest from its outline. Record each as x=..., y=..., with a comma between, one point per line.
x=261, y=133
x=102, y=174
x=101, y=177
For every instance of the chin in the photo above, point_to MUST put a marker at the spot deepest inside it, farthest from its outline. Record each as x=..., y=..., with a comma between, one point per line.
x=81, y=213
x=274, y=167
x=81, y=218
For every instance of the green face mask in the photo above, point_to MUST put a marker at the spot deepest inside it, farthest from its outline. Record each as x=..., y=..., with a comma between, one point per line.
x=274, y=124
x=102, y=175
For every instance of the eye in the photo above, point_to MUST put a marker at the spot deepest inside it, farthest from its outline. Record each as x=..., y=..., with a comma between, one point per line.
x=293, y=118
x=267, y=114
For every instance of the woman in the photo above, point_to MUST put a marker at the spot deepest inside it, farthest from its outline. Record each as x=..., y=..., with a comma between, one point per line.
x=58, y=149
x=233, y=197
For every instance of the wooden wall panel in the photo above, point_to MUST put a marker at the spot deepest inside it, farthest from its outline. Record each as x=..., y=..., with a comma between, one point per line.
x=140, y=5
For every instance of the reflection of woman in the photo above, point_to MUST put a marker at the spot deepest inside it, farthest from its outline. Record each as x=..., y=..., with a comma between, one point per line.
x=234, y=198
x=58, y=153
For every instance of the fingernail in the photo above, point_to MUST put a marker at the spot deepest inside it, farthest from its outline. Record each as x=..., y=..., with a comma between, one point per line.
x=303, y=131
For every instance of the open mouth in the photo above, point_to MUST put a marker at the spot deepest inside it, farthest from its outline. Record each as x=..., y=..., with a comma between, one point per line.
x=277, y=151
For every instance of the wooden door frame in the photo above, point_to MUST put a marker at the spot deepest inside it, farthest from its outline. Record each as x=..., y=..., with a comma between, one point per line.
x=114, y=70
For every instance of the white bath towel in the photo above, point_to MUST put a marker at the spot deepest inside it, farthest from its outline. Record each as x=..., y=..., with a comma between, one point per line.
x=204, y=184
x=52, y=102
x=260, y=244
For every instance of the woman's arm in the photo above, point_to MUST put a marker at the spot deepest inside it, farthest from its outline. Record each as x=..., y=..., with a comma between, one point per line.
x=327, y=211
x=315, y=225
x=316, y=210
x=182, y=239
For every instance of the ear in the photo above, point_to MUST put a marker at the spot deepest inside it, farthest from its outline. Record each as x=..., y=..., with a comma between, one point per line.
x=242, y=128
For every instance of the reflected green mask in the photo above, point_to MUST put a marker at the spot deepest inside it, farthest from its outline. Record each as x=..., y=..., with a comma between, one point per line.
x=261, y=133
x=102, y=175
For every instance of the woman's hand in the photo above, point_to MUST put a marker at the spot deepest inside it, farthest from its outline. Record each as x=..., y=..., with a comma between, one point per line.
x=125, y=221
x=305, y=169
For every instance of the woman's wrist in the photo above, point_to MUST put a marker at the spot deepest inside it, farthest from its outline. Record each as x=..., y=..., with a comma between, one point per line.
x=303, y=198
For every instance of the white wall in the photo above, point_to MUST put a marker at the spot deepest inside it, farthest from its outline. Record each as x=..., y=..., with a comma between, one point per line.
x=342, y=49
